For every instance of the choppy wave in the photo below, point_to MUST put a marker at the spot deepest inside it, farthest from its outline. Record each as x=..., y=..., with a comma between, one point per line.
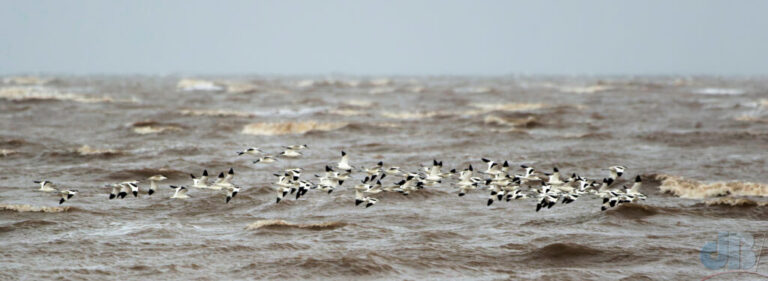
x=22, y=208
x=408, y=114
x=241, y=88
x=140, y=174
x=290, y=128
x=7, y=152
x=198, y=85
x=347, y=112
x=42, y=93
x=736, y=202
x=489, y=107
x=524, y=122
x=359, y=103
x=87, y=150
x=633, y=211
x=381, y=90
x=473, y=90
x=153, y=127
x=281, y=224
x=215, y=113
x=26, y=80
x=585, y=89
x=719, y=91
x=570, y=253
x=688, y=188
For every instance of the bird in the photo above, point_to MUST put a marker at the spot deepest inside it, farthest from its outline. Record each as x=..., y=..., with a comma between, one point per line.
x=134, y=186
x=393, y=171
x=290, y=153
x=124, y=189
x=113, y=193
x=66, y=195
x=434, y=176
x=616, y=172
x=251, y=151
x=374, y=170
x=201, y=182
x=265, y=159
x=344, y=163
x=282, y=186
x=180, y=192
x=231, y=192
x=153, y=183
x=296, y=147
x=223, y=180
x=493, y=167
x=633, y=193
x=46, y=186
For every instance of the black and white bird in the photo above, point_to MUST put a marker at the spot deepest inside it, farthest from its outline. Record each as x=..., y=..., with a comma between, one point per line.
x=282, y=186
x=344, y=163
x=66, y=195
x=46, y=186
x=133, y=186
x=113, y=193
x=153, y=183
x=251, y=151
x=224, y=180
x=265, y=159
x=493, y=167
x=180, y=192
x=547, y=198
x=296, y=147
x=616, y=172
x=375, y=170
x=231, y=192
x=290, y=153
x=201, y=182
x=633, y=193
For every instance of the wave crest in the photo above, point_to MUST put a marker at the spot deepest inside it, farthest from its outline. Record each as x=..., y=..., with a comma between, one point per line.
x=735, y=202
x=688, y=188
x=290, y=128
x=22, y=208
x=633, y=211
x=281, y=224
x=43, y=93
x=152, y=127
x=87, y=150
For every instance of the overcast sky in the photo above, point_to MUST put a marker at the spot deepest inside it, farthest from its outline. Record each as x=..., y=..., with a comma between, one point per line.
x=429, y=37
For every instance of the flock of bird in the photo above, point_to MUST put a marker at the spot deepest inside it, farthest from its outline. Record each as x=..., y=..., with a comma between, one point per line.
x=497, y=179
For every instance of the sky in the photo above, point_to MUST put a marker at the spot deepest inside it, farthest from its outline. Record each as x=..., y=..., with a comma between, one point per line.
x=357, y=37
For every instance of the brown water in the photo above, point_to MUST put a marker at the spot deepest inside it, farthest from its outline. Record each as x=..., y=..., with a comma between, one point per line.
x=692, y=139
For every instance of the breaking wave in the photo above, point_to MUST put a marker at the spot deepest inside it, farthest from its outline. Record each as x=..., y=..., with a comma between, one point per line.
x=735, y=202
x=688, y=188
x=198, y=85
x=408, y=115
x=26, y=80
x=6, y=152
x=215, y=113
x=22, y=208
x=281, y=224
x=488, y=107
x=153, y=127
x=290, y=128
x=585, y=89
x=42, y=93
x=718, y=91
x=87, y=150
x=524, y=122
